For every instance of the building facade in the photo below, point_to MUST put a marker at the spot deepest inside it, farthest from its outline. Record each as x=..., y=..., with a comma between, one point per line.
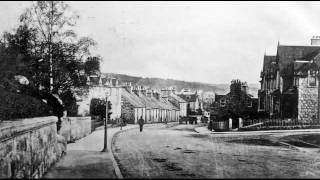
x=290, y=86
x=238, y=101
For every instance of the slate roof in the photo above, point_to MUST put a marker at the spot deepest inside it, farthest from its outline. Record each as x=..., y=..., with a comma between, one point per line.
x=132, y=98
x=267, y=62
x=148, y=102
x=288, y=54
x=157, y=103
x=193, y=97
x=177, y=98
x=168, y=104
x=302, y=68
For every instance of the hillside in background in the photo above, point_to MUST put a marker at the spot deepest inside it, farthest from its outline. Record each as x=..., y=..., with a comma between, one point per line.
x=162, y=83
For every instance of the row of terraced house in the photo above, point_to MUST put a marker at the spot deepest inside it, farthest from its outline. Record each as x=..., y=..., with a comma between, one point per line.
x=290, y=82
x=132, y=102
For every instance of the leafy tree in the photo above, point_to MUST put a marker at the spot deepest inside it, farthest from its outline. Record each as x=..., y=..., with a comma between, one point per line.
x=57, y=43
x=44, y=41
x=98, y=107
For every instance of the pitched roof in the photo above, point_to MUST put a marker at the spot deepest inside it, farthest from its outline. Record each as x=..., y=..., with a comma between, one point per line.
x=132, y=99
x=287, y=54
x=267, y=62
x=188, y=98
x=302, y=68
x=168, y=104
x=311, y=55
x=148, y=102
x=177, y=98
x=157, y=103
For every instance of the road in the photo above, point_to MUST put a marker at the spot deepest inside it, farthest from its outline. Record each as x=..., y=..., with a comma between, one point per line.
x=180, y=152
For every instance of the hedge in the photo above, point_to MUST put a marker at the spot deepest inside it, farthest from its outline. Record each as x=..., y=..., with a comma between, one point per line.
x=15, y=106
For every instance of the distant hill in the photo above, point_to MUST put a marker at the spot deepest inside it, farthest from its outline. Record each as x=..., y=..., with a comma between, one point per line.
x=178, y=84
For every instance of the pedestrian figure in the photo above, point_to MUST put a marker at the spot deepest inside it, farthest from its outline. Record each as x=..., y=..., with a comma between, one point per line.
x=210, y=125
x=141, y=122
x=121, y=122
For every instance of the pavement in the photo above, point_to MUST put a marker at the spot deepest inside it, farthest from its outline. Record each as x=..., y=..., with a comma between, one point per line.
x=84, y=158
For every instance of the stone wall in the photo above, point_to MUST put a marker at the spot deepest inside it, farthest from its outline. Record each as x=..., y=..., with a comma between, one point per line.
x=28, y=147
x=80, y=127
x=307, y=101
x=74, y=128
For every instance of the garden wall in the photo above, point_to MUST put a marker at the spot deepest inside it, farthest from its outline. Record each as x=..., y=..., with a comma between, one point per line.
x=28, y=147
x=74, y=128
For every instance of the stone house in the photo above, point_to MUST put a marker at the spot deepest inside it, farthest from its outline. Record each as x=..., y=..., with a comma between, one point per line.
x=156, y=107
x=98, y=86
x=172, y=113
x=193, y=102
x=294, y=89
x=178, y=102
x=151, y=107
x=132, y=107
x=269, y=100
x=238, y=99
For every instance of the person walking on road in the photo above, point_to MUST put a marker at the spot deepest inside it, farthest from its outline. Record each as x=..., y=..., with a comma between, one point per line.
x=210, y=126
x=121, y=123
x=141, y=122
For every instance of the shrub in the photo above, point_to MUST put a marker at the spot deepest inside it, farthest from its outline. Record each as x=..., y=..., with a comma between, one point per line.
x=70, y=103
x=14, y=106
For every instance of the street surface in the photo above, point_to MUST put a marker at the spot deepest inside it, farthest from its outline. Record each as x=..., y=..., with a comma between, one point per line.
x=180, y=152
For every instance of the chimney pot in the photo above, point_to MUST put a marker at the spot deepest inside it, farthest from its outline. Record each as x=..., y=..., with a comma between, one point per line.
x=315, y=40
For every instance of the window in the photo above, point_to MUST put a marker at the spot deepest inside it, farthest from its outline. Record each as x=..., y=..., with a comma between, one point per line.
x=312, y=81
x=296, y=81
x=222, y=102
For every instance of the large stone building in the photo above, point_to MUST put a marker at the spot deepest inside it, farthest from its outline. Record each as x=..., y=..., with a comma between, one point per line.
x=238, y=101
x=290, y=82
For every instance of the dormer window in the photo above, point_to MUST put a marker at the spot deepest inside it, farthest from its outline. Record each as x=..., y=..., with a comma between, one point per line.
x=312, y=80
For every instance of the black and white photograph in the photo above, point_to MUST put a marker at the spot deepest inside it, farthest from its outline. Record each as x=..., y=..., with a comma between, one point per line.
x=159, y=89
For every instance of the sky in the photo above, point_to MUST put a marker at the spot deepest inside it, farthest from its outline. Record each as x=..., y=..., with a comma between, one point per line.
x=211, y=42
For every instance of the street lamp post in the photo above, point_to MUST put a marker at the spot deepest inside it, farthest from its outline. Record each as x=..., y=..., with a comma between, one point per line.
x=105, y=149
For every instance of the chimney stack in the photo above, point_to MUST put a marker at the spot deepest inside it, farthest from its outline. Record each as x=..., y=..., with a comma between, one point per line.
x=143, y=91
x=165, y=93
x=137, y=90
x=149, y=93
x=156, y=95
x=128, y=87
x=173, y=90
x=315, y=41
